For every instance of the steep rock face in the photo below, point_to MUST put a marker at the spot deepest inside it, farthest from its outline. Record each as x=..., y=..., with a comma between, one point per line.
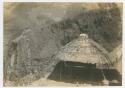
x=33, y=52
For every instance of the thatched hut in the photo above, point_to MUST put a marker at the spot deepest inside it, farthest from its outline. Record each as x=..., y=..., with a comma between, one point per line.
x=85, y=50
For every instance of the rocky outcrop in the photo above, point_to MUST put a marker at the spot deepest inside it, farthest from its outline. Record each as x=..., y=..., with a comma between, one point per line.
x=32, y=54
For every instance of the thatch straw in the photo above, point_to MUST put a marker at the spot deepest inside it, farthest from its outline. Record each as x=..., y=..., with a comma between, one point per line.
x=84, y=50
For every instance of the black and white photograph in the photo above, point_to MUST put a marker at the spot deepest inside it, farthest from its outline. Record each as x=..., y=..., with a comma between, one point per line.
x=68, y=44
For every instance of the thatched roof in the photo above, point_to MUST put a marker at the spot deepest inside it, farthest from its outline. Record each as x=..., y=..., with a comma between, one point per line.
x=116, y=57
x=84, y=50
x=116, y=54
